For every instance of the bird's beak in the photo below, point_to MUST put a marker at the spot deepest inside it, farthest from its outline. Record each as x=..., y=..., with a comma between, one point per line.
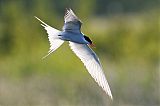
x=92, y=45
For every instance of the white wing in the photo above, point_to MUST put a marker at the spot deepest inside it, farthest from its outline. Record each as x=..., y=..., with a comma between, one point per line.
x=91, y=62
x=52, y=36
x=71, y=22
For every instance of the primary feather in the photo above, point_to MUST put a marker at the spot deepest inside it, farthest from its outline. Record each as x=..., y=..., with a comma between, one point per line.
x=71, y=22
x=92, y=63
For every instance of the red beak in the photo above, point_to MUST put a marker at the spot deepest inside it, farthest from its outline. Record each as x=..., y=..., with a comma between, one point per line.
x=92, y=45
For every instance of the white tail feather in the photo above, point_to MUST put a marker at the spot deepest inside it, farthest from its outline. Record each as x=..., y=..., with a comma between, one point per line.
x=53, y=33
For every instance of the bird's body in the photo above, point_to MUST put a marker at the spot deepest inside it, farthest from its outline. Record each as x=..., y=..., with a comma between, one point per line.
x=68, y=36
x=79, y=44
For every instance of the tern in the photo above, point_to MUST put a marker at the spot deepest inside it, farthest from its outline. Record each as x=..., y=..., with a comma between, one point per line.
x=79, y=44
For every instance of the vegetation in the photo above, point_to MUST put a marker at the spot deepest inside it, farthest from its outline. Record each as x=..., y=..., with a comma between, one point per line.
x=126, y=35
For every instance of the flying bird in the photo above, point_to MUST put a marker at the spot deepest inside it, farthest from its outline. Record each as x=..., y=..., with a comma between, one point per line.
x=79, y=44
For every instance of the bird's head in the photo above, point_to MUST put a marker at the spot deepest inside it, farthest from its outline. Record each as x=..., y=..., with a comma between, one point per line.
x=90, y=43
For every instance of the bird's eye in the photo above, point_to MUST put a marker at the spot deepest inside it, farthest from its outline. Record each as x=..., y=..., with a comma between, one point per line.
x=88, y=39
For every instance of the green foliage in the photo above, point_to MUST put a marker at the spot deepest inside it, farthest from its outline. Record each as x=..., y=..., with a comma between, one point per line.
x=127, y=44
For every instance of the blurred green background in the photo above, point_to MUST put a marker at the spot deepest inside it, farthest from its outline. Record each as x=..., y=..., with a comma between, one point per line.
x=126, y=34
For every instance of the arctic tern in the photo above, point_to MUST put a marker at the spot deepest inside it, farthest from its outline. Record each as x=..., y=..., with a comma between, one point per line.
x=79, y=44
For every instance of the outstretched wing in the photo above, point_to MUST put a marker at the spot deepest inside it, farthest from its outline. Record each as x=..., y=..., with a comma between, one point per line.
x=52, y=36
x=92, y=63
x=71, y=22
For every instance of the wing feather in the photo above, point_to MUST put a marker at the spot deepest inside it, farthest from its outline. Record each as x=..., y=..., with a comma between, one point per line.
x=70, y=16
x=71, y=22
x=92, y=63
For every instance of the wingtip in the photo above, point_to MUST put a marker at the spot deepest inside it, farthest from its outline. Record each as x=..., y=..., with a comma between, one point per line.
x=66, y=12
x=110, y=95
x=68, y=9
